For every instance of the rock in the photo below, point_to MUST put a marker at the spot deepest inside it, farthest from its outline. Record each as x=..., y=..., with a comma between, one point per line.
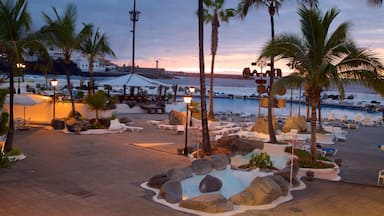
x=262, y=190
x=76, y=125
x=229, y=142
x=210, y=203
x=180, y=173
x=158, y=180
x=219, y=161
x=236, y=145
x=285, y=173
x=243, y=198
x=176, y=118
x=171, y=191
x=210, y=184
x=284, y=185
x=202, y=166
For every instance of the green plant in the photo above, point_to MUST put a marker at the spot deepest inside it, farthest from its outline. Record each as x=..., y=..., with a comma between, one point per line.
x=4, y=161
x=262, y=160
x=14, y=151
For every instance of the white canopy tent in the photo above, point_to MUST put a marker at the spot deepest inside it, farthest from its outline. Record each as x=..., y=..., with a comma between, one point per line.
x=131, y=80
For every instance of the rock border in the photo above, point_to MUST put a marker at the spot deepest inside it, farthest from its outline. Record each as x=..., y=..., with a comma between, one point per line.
x=237, y=208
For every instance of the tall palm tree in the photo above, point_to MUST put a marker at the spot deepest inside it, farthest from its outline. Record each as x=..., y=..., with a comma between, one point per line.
x=214, y=13
x=96, y=45
x=60, y=32
x=273, y=6
x=203, y=104
x=14, y=41
x=324, y=57
x=377, y=3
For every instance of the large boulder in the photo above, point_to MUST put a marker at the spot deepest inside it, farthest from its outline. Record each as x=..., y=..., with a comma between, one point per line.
x=297, y=123
x=210, y=203
x=180, y=173
x=171, y=191
x=176, y=118
x=284, y=185
x=262, y=190
x=210, y=184
x=158, y=180
x=77, y=124
x=219, y=161
x=236, y=145
x=261, y=125
x=286, y=174
x=202, y=166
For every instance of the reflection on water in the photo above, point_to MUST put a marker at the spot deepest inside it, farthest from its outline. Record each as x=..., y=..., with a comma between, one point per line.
x=252, y=106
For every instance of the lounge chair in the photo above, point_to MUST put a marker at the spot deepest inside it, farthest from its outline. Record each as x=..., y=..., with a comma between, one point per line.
x=380, y=177
x=326, y=150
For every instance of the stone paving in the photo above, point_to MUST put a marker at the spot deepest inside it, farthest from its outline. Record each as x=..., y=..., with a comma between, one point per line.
x=81, y=175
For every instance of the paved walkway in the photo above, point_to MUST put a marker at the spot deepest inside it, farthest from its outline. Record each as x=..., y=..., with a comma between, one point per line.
x=99, y=175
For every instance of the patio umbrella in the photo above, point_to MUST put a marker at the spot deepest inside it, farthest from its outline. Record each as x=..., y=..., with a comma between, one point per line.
x=27, y=100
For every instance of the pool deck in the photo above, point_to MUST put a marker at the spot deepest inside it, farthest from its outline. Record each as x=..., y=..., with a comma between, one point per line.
x=81, y=175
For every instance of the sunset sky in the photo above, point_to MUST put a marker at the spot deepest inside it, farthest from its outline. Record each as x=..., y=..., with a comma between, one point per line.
x=167, y=30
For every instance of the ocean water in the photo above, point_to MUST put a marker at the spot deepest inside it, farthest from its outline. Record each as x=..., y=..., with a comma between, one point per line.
x=238, y=106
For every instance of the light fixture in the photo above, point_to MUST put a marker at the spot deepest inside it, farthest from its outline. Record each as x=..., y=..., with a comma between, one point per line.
x=187, y=101
x=54, y=83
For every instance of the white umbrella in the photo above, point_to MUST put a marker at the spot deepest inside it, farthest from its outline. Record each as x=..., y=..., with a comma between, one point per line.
x=28, y=100
x=134, y=80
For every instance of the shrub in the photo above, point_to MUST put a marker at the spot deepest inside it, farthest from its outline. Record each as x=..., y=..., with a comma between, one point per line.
x=262, y=160
x=4, y=161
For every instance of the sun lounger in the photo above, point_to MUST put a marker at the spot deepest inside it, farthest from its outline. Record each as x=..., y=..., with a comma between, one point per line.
x=326, y=150
x=380, y=177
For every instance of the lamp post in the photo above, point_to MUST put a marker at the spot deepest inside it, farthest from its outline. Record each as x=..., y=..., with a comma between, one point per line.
x=54, y=83
x=191, y=91
x=187, y=101
x=134, y=15
x=20, y=66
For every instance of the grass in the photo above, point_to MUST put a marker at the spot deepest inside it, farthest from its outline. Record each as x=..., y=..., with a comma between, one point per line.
x=305, y=159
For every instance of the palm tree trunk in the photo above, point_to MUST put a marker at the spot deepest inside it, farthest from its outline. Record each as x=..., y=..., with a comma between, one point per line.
x=11, y=126
x=69, y=87
x=320, y=122
x=313, y=130
x=204, y=121
x=211, y=115
x=91, y=88
x=271, y=130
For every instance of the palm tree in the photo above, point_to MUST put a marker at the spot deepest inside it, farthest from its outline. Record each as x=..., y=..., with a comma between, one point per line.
x=273, y=6
x=203, y=104
x=377, y=3
x=60, y=32
x=214, y=13
x=97, y=102
x=96, y=45
x=323, y=57
x=14, y=41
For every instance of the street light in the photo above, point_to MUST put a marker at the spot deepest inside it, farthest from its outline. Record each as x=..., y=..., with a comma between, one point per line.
x=54, y=83
x=134, y=15
x=21, y=67
x=191, y=91
x=187, y=101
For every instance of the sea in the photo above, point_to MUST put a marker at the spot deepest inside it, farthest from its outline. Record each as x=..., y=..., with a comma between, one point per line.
x=242, y=88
